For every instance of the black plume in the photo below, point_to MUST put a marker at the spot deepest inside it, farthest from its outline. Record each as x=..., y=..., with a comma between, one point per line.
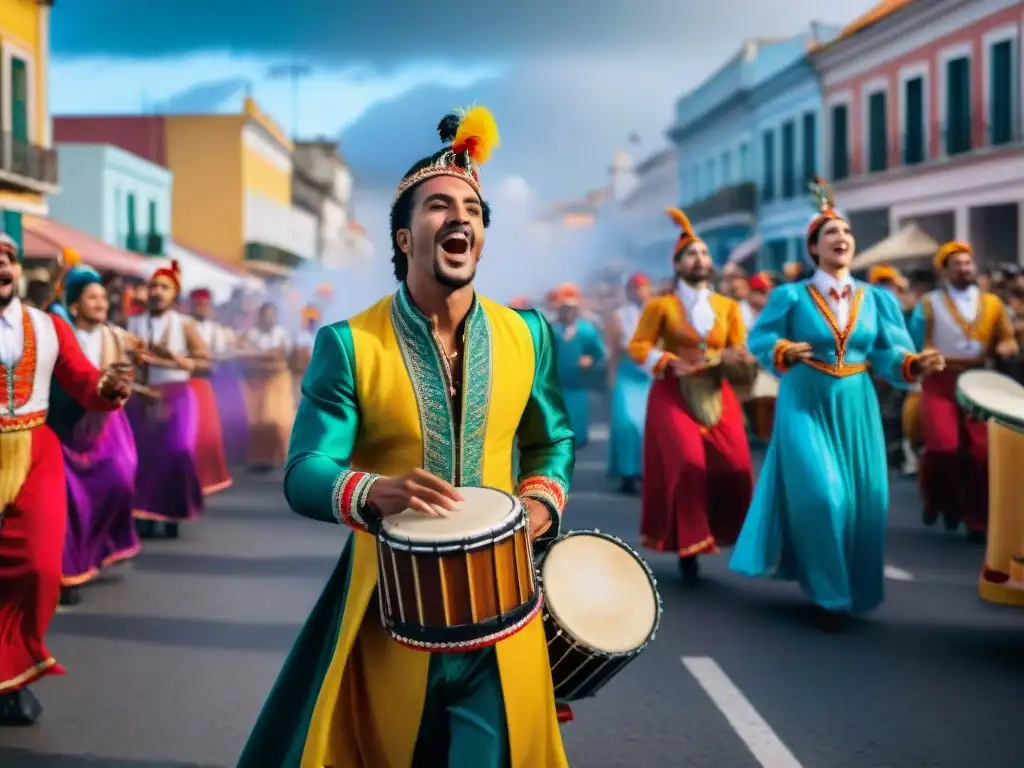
x=448, y=127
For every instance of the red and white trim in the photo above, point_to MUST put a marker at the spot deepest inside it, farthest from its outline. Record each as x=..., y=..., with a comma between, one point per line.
x=545, y=489
x=351, y=491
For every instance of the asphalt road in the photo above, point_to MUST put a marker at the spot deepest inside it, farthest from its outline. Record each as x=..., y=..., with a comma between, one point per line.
x=170, y=660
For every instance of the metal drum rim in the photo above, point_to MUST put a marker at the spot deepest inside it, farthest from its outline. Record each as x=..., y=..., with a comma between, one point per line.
x=659, y=608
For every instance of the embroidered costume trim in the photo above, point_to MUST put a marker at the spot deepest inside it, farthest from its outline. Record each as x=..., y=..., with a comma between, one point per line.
x=907, y=368
x=19, y=382
x=22, y=422
x=351, y=490
x=546, y=490
x=662, y=364
x=779, y=354
x=842, y=335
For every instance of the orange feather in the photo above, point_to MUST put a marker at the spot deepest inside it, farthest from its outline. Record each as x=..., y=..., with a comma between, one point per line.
x=680, y=219
x=477, y=135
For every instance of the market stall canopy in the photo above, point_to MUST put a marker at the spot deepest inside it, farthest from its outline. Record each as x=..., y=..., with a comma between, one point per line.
x=44, y=236
x=908, y=244
x=200, y=270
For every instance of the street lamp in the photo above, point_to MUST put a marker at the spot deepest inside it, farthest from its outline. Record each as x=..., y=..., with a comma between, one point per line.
x=294, y=72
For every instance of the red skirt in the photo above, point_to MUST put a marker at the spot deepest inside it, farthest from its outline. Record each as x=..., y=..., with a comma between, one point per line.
x=211, y=464
x=697, y=482
x=31, y=549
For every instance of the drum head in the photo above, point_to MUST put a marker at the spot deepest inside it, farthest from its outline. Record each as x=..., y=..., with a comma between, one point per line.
x=993, y=394
x=480, y=511
x=599, y=593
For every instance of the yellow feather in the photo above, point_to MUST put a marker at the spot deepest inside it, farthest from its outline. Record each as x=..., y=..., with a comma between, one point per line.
x=477, y=134
x=71, y=257
x=680, y=218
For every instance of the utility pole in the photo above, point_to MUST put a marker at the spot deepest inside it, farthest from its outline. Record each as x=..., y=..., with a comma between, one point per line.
x=293, y=72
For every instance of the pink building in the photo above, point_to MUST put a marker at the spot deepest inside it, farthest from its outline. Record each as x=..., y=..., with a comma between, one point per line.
x=923, y=122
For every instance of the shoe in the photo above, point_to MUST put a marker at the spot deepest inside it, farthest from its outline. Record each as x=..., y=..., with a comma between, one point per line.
x=19, y=708
x=689, y=569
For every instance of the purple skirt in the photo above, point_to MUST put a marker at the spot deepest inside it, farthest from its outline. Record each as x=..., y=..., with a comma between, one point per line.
x=100, y=463
x=226, y=380
x=167, y=487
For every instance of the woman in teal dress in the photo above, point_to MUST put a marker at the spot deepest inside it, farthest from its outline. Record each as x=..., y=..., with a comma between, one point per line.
x=581, y=360
x=819, y=510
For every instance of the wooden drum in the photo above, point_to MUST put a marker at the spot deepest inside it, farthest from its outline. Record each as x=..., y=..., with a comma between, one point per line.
x=601, y=609
x=457, y=583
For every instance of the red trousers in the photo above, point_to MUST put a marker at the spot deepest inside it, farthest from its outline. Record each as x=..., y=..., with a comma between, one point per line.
x=211, y=464
x=697, y=482
x=31, y=546
x=953, y=474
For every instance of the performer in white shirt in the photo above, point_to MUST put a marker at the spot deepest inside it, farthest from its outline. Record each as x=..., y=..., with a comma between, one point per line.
x=969, y=327
x=269, y=398
x=630, y=389
x=35, y=348
x=167, y=486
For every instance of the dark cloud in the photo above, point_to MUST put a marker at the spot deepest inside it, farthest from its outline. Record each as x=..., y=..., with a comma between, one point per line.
x=388, y=30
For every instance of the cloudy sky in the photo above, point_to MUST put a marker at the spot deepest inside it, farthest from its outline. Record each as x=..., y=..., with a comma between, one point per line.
x=569, y=80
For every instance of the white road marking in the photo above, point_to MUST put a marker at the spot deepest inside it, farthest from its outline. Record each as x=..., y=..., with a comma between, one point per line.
x=759, y=737
x=897, y=574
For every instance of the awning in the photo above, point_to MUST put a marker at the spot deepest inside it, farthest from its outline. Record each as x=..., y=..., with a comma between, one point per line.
x=36, y=246
x=200, y=270
x=908, y=244
x=45, y=234
x=745, y=250
x=267, y=269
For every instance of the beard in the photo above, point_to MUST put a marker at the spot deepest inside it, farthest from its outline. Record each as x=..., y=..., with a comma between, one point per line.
x=692, y=276
x=449, y=281
x=8, y=292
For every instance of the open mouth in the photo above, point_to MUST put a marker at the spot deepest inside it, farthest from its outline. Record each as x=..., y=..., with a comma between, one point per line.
x=840, y=248
x=456, y=243
x=6, y=280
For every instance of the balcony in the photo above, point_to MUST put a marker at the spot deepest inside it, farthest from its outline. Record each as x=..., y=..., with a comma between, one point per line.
x=738, y=198
x=25, y=166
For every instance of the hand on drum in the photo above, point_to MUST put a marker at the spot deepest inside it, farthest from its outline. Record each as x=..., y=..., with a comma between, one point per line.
x=680, y=367
x=539, y=516
x=1006, y=349
x=928, y=362
x=736, y=356
x=416, y=489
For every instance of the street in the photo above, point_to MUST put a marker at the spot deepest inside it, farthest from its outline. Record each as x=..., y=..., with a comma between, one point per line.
x=170, y=659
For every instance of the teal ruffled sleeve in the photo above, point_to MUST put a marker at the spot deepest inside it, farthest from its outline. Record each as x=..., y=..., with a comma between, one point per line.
x=547, y=451
x=892, y=355
x=770, y=334
x=319, y=482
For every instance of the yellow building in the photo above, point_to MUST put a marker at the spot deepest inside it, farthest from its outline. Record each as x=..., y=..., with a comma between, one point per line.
x=28, y=166
x=233, y=189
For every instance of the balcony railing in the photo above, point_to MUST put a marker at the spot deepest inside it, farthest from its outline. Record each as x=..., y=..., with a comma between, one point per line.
x=22, y=158
x=738, y=198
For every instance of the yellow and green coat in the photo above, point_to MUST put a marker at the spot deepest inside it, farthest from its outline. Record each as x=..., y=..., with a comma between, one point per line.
x=375, y=402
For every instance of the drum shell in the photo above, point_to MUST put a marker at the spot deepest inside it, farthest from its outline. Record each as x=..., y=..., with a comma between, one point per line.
x=578, y=672
x=451, y=597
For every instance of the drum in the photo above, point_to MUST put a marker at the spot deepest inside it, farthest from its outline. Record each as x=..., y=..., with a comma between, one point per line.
x=989, y=395
x=457, y=583
x=765, y=386
x=601, y=609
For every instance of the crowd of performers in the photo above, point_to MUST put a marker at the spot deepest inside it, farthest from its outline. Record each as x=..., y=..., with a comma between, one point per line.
x=839, y=379
x=205, y=396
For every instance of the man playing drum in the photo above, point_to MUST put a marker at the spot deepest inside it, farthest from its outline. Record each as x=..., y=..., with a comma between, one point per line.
x=969, y=327
x=424, y=391
x=697, y=470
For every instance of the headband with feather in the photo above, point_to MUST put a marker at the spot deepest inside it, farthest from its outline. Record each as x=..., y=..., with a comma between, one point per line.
x=470, y=136
x=824, y=204
x=687, y=236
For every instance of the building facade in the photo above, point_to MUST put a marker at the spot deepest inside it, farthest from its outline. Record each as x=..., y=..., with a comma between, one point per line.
x=726, y=167
x=232, y=195
x=115, y=196
x=923, y=122
x=641, y=195
x=787, y=129
x=28, y=166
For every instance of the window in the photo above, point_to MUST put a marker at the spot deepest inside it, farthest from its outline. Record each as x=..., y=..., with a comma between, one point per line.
x=726, y=169
x=840, y=142
x=118, y=208
x=768, y=181
x=152, y=218
x=810, y=146
x=744, y=168
x=788, y=160
x=958, y=106
x=19, y=99
x=132, y=240
x=776, y=253
x=878, y=132
x=914, y=129
x=1000, y=104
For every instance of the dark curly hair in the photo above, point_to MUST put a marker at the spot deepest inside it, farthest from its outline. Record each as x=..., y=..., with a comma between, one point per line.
x=401, y=209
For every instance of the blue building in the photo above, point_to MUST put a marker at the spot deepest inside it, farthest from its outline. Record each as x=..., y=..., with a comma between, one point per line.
x=716, y=137
x=787, y=109
x=114, y=196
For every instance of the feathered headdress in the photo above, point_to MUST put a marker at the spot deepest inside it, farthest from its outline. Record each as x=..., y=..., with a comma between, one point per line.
x=687, y=236
x=470, y=136
x=172, y=273
x=638, y=280
x=824, y=204
x=883, y=273
x=70, y=258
